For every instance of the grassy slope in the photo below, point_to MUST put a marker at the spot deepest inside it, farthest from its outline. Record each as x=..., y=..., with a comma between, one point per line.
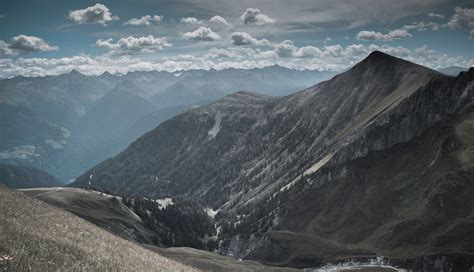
x=109, y=213
x=40, y=237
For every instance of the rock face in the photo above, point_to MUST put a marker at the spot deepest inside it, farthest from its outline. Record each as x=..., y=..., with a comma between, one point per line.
x=377, y=160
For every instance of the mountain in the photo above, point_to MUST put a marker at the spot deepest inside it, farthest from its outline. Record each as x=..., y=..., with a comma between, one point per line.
x=17, y=176
x=452, y=70
x=375, y=161
x=67, y=123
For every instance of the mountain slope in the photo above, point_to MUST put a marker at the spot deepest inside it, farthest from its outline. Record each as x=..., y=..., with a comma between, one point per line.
x=263, y=159
x=244, y=145
x=17, y=176
x=37, y=235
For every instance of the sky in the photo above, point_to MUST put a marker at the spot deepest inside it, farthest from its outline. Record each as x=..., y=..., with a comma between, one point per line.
x=41, y=37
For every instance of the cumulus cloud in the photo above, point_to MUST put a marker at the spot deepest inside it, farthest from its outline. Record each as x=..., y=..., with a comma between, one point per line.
x=23, y=43
x=134, y=45
x=254, y=16
x=378, y=36
x=287, y=49
x=219, y=21
x=96, y=14
x=30, y=43
x=463, y=17
x=202, y=34
x=243, y=38
x=190, y=21
x=436, y=15
x=144, y=20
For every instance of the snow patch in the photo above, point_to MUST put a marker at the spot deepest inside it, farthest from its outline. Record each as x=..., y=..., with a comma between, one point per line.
x=164, y=202
x=19, y=152
x=66, y=132
x=210, y=212
x=54, y=144
x=217, y=126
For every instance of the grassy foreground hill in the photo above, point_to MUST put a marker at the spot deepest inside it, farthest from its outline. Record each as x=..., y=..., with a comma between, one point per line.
x=37, y=237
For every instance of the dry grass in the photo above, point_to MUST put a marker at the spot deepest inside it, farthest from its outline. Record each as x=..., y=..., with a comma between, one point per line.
x=37, y=237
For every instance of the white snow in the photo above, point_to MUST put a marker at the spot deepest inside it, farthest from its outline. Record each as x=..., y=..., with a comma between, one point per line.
x=211, y=213
x=19, y=152
x=217, y=126
x=54, y=144
x=66, y=132
x=164, y=202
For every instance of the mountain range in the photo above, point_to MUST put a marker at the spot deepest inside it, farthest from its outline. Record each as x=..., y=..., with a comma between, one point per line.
x=67, y=123
x=375, y=161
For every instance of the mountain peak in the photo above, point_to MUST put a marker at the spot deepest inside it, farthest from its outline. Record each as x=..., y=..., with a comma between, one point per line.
x=75, y=72
x=381, y=62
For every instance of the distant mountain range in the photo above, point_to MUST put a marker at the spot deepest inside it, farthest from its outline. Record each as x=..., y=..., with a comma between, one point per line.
x=67, y=123
x=375, y=161
x=452, y=70
x=19, y=176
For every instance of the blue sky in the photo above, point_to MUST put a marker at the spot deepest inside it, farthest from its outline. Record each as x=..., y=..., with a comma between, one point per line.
x=51, y=37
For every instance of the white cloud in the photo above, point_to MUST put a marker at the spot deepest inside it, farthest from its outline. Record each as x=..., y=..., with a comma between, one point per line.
x=471, y=34
x=5, y=49
x=219, y=21
x=96, y=14
x=190, y=20
x=23, y=43
x=422, y=26
x=436, y=15
x=463, y=17
x=144, y=20
x=254, y=16
x=243, y=38
x=30, y=44
x=378, y=36
x=202, y=34
x=134, y=45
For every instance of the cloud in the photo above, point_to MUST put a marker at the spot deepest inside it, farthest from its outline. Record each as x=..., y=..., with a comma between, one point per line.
x=254, y=16
x=23, y=43
x=190, y=21
x=436, y=15
x=5, y=49
x=287, y=49
x=334, y=57
x=378, y=36
x=134, y=45
x=220, y=21
x=243, y=38
x=422, y=26
x=471, y=35
x=96, y=14
x=463, y=17
x=202, y=34
x=144, y=20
